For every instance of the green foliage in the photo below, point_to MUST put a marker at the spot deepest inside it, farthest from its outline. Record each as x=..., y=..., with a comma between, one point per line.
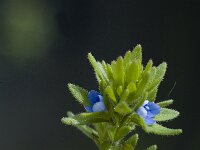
x=160, y=130
x=123, y=108
x=166, y=114
x=86, y=118
x=122, y=132
x=133, y=140
x=153, y=147
x=165, y=103
x=79, y=94
x=124, y=84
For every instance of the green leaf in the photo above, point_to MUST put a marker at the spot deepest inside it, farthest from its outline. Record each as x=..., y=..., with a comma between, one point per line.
x=143, y=84
x=153, y=147
x=166, y=114
x=119, y=90
x=109, y=71
x=165, y=103
x=141, y=101
x=126, y=147
x=124, y=95
x=86, y=118
x=88, y=131
x=79, y=94
x=152, y=94
x=133, y=140
x=148, y=66
x=122, y=132
x=160, y=72
x=160, y=130
x=137, y=53
x=132, y=72
x=103, y=71
x=123, y=108
x=155, y=128
x=111, y=132
x=118, y=71
x=109, y=91
x=127, y=58
x=131, y=87
x=98, y=68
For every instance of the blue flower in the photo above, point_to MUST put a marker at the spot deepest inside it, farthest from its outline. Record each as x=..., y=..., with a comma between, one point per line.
x=96, y=102
x=147, y=111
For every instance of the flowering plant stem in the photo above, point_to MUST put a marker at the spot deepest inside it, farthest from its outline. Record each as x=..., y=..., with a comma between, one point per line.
x=126, y=100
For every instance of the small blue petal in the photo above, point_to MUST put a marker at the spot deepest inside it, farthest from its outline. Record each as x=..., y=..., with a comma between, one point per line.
x=145, y=102
x=100, y=98
x=149, y=120
x=153, y=110
x=142, y=112
x=98, y=107
x=88, y=108
x=93, y=97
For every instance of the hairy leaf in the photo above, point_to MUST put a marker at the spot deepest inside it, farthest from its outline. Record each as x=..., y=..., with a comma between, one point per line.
x=133, y=140
x=137, y=53
x=160, y=130
x=123, y=108
x=132, y=72
x=166, y=114
x=80, y=94
x=155, y=128
x=122, y=132
x=165, y=103
x=88, y=131
x=160, y=72
x=109, y=91
x=99, y=71
x=86, y=118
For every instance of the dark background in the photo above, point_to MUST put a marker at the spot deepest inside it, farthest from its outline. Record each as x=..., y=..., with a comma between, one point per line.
x=43, y=46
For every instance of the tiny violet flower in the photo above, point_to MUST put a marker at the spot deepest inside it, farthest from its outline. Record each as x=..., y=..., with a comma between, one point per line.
x=147, y=111
x=96, y=101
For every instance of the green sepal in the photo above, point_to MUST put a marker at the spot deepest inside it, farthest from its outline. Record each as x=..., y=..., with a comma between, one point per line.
x=153, y=147
x=80, y=94
x=122, y=132
x=122, y=108
x=165, y=103
x=86, y=118
x=166, y=114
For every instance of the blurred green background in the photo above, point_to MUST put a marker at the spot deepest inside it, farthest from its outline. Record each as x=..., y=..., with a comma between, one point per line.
x=43, y=46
